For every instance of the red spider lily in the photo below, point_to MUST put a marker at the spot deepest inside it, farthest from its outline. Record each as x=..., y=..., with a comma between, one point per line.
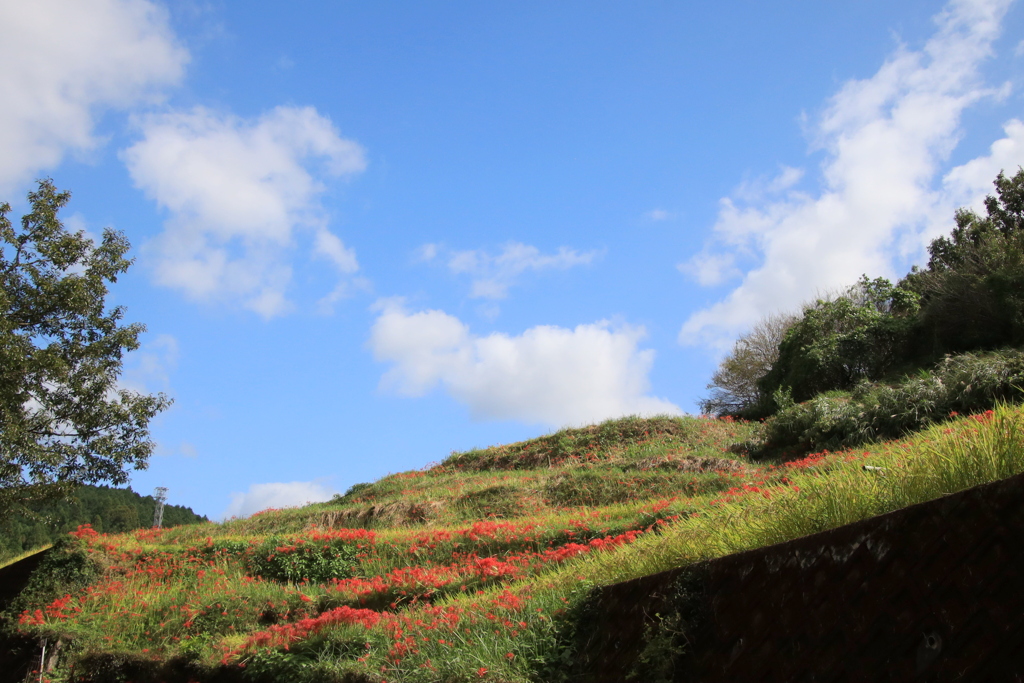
x=285, y=634
x=808, y=461
x=985, y=417
x=84, y=531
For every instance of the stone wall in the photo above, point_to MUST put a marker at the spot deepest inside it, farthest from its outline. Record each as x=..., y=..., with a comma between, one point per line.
x=933, y=592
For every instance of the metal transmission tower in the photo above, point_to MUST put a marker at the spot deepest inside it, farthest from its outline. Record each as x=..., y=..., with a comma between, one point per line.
x=159, y=495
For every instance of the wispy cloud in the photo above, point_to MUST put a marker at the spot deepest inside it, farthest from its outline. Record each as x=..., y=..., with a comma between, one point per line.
x=549, y=375
x=277, y=495
x=237, y=191
x=149, y=368
x=657, y=215
x=885, y=139
x=65, y=61
x=493, y=274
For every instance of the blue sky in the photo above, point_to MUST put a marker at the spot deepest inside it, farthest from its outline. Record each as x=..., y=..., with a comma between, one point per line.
x=368, y=234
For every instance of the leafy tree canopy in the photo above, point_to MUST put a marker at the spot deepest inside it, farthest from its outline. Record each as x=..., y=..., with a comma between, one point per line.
x=838, y=342
x=64, y=420
x=973, y=287
x=734, y=386
x=1004, y=219
x=970, y=297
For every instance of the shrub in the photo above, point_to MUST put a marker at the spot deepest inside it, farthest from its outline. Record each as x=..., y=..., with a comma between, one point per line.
x=958, y=384
x=280, y=560
x=65, y=569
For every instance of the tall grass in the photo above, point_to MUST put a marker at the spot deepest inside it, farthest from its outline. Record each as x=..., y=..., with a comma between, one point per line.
x=827, y=491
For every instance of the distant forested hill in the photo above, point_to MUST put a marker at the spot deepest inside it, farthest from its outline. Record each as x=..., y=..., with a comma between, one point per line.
x=109, y=510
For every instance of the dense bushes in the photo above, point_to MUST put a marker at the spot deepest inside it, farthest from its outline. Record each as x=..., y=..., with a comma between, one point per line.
x=837, y=343
x=958, y=384
x=66, y=568
x=279, y=560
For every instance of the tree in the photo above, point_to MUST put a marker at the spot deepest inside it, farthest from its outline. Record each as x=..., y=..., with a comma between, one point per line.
x=64, y=420
x=734, y=386
x=972, y=290
x=123, y=518
x=861, y=334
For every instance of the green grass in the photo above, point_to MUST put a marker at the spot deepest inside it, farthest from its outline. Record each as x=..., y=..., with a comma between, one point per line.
x=476, y=568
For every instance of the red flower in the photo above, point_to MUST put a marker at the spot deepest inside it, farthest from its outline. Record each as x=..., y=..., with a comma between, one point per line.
x=85, y=531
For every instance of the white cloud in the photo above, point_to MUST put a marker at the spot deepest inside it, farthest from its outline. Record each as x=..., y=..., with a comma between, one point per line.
x=549, y=375
x=710, y=269
x=149, y=368
x=330, y=246
x=967, y=185
x=343, y=290
x=237, y=191
x=427, y=252
x=885, y=139
x=762, y=188
x=278, y=495
x=67, y=60
x=657, y=215
x=493, y=275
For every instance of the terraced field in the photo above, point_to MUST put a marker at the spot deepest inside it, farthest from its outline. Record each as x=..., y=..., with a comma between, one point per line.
x=478, y=568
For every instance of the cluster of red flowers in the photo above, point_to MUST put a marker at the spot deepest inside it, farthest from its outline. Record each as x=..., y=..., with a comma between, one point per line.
x=61, y=608
x=422, y=582
x=740, y=491
x=406, y=632
x=151, y=534
x=84, y=531
x=808, y=461
x=357, y=536
x=282, y=635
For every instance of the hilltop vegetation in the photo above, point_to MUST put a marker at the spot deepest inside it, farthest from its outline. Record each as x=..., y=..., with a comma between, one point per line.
x=878, y=360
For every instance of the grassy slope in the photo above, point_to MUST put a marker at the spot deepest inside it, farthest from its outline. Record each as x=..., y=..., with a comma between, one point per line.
x=471, y=570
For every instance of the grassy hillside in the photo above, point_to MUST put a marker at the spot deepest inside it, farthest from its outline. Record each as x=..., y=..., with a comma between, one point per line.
x=475, y=569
